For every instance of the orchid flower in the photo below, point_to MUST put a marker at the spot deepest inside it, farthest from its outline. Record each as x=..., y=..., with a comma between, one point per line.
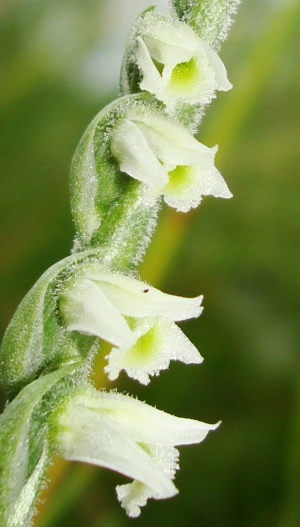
x=133, y=316
x=176, y=64
x=123, y=434
x=165, y=156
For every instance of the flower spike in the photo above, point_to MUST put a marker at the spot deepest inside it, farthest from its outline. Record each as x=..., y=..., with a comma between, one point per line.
x=137, y=150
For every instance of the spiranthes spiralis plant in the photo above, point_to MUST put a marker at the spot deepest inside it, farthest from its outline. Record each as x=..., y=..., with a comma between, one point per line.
x=137, y=151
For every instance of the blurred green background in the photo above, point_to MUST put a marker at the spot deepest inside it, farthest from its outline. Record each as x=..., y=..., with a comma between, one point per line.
x=58, y=68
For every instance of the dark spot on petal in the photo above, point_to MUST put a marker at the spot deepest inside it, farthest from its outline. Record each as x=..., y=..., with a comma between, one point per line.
x=145, y=290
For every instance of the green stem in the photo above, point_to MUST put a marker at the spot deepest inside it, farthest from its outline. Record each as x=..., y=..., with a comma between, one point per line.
x=211, y=19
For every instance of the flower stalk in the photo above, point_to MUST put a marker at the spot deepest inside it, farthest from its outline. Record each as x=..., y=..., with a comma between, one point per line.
x=138, y=150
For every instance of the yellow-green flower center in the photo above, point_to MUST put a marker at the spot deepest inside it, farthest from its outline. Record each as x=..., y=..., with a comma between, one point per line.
x=179, y=178
x=185, y=76
x=144, y=348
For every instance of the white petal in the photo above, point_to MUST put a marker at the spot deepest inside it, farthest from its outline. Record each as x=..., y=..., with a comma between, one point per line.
x=87, y=309
x=135, y=495
x=188, y=184
x=167, y=52
x=146, y=424
x=88, y=436
x=222, y=82
x=170, y=41
x=151, y=77
x=135, y=156
x=158, y=342
x=171, y=142
x=214, y=184
x=137, y=299
x=185, y=188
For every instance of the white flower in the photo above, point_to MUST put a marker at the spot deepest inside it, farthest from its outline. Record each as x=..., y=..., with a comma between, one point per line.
x=176, y=64
x=158, y=341
x=133, y=316
x=121, y=433
x=167, y=158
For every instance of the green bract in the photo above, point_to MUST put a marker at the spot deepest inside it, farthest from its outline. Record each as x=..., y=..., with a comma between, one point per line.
x=136, y=150
x=25, y=446
x=109, y=209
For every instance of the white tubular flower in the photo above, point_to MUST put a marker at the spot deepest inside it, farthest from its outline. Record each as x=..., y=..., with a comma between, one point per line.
x=176, y=64
x=133, y=316
x=121, y=433
x=167, y=158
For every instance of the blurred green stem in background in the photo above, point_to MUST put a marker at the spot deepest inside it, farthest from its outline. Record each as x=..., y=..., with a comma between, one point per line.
x=290, y=511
